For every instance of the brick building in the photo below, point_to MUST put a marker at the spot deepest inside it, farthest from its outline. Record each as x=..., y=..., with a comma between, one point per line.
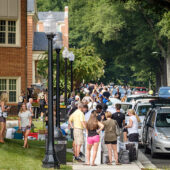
x=13, y=54
x=37, y=41
x=23, y=43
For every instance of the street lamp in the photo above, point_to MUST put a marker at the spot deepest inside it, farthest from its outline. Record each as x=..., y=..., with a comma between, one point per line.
x=65, y=56
x=71, y=58
x=50, y=160
x=58, y=44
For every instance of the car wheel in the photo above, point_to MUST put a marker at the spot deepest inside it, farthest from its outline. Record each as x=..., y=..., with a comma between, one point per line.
x=153, y=154
x=146, y=149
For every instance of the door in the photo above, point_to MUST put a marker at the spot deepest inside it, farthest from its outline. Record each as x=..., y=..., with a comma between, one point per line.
x=151, y=128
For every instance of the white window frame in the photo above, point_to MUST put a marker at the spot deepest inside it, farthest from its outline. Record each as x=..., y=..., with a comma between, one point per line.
x=18, y=87
x=7, y=32
x=18, y=28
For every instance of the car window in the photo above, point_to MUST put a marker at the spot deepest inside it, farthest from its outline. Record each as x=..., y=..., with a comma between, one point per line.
x=128, y=99
x=164, y=92
x=142, y=110
x=140, y=89
x=151, y=118
x=163, y=120
x=125, y=107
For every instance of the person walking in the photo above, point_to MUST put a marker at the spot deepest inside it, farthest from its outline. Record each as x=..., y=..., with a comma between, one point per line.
x=78, y=119
x=110, y=138
x=24, y=122
x=42, y=99
x=3, y=115
x=29, y=105
x=21, y=100
x=132, y=126
x=118, y=94
x=93, y=129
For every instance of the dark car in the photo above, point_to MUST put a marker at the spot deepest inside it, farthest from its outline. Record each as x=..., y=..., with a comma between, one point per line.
x=164, y=92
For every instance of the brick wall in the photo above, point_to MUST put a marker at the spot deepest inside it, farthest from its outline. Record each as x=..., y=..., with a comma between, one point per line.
x=13, y=59
x=30, y=26
x=65, y=29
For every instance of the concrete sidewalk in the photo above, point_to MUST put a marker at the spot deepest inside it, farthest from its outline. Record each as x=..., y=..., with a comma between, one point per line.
x=132, y=166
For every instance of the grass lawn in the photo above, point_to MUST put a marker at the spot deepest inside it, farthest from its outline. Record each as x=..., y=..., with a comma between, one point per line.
x=14, y=157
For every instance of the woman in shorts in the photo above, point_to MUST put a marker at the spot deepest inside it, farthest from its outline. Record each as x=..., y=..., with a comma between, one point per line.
x=25, y=121
x=110, y=137
x=93, y=128
x=3, y=115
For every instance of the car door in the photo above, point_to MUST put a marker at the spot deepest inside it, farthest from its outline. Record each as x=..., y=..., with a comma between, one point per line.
x=151, y=128
x=145, y=128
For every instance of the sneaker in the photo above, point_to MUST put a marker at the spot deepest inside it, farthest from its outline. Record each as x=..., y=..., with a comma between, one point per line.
x=79, y=160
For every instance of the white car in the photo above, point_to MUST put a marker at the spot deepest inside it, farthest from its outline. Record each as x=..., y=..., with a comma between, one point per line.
x=141, y=110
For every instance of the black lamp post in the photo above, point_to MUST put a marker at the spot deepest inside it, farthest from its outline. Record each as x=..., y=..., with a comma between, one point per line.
x=71, y=58
x=58, y=46
x=50, y=159
x=65, y=56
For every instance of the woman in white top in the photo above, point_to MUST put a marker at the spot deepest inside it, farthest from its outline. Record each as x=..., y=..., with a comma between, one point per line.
x=24, y=121
x=132, y=126
x=3, y=115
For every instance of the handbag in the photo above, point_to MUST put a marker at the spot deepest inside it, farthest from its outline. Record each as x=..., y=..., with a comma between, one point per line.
x=117, y=130
x=3, y=114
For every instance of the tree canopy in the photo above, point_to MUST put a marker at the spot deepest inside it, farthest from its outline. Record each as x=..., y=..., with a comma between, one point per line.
x=122, y=33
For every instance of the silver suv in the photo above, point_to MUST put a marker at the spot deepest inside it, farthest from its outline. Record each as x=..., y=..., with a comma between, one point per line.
x=156, y=131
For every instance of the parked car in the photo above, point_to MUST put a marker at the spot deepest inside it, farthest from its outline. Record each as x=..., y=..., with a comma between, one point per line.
x=156, y=131
x=134, y=98
x=141, y=110
x=140, y=90
x=164, y=92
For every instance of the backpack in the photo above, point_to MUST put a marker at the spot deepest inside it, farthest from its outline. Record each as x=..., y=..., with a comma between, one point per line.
x=123, y=156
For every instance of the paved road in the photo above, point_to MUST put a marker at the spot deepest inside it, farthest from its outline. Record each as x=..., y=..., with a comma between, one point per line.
x=161, y=161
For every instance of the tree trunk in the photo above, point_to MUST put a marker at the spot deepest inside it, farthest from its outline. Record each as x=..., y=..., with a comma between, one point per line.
x=158, y=81
x=168, y=63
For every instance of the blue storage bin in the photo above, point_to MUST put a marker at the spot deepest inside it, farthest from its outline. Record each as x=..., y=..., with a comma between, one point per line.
x=18, y=135
x=16, y=128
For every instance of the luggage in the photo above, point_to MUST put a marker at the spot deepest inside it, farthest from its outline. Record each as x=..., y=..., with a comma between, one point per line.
x=123, y=156
x=131, y=147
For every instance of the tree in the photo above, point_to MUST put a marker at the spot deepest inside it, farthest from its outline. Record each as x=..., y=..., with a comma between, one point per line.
x=86, y=67
x=51, y=5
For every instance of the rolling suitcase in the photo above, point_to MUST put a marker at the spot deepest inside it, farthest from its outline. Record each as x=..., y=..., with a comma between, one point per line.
x=131, y=147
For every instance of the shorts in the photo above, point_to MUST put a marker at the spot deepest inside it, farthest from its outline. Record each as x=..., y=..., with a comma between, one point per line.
x=42, y=108
x=125, y=130
x=134, y=137
x=111, y=142
x=23, y=129
x=2, y=119
x=78, y=136
x=93, y=139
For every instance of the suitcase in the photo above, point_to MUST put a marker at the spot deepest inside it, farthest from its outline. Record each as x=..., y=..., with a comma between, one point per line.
x=131, y=147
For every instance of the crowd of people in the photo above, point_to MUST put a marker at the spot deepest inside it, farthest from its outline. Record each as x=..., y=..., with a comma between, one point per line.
x=25, y=114
x=91, y=114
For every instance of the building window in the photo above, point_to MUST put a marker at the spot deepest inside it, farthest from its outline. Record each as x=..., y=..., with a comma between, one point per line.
x=9, y=86
x=7, y=32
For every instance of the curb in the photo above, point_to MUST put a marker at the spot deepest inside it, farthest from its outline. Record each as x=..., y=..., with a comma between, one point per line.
x=139, y=164
x=146, y=163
